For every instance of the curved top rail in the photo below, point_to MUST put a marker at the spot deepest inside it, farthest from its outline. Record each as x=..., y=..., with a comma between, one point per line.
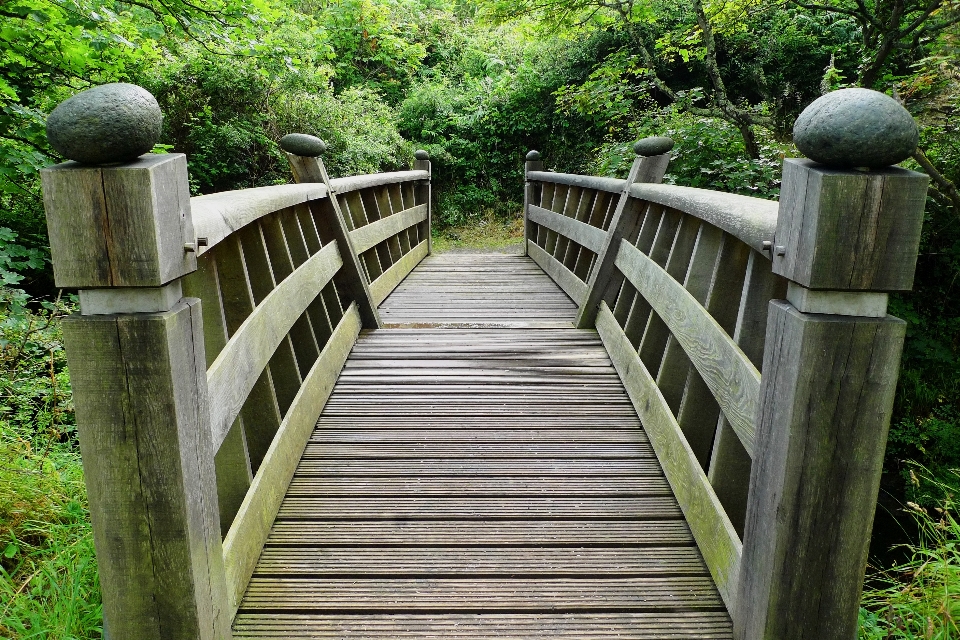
x=217, y=215
x=352, y=183
x=752, y=220
x=613, y=185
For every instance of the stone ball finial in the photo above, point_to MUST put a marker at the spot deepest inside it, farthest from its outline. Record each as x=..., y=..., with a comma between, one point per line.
x=653, y=146
x=420, y=154
x=111, y=123
x=303, y=144
x=856, y=128
x=533, y=156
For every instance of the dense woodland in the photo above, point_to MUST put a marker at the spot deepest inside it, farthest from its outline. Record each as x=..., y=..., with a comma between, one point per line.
x=477, y=83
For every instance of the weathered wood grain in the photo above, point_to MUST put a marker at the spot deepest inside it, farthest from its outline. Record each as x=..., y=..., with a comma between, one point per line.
x=242, y=544
x=732, y=378
x=571, y=284
x=373, y=234
x=356, y=183
x=242, y=360
x=715, y=535
x=828, y=389
x=580, y=232
x=388, y=281
x=612, y=185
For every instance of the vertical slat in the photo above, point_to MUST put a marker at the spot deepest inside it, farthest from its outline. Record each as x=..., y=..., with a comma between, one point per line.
x=659, y=252
x=655, y=335
x=352, y=203
x=675, y=366
x=300, y=250
x=386, y=251
x=572, y=254
x=557, y=204
x=699, y=410
x=546, y=201
x=730, y=463
x=301, y=337
x=232, y=459
x=644, y=220
x=570, y=206
x=598, y=216
x=284, y=373
x=381, y=197
x=260, y=415
x=395, y=198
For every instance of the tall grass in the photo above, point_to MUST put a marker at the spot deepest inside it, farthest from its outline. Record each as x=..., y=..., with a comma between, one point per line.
x=48, y=578
x=920, y=598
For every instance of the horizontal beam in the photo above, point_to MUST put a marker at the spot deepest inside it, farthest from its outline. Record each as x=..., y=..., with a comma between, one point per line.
x=752, y=220
x=371, y=235
x=568, y=281
x=352, y=183
x=717, y=539
x=236, y=369
x=247, y=535
x=217, y=215
x=612, y=185
x=580, y=232
x=389, y=279
x=728, y=372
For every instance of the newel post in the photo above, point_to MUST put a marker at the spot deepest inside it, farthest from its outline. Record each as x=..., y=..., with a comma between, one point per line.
x=424, y=192
x=303, y=153
x=650, y=165
x=121, y=232
x=847, y=234
x=531, y=193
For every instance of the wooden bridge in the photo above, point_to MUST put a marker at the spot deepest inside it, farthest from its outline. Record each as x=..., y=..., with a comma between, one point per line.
x=296, y=422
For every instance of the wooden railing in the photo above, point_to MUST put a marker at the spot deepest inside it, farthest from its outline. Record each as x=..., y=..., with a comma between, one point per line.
x=211, y=333
x=777, y=475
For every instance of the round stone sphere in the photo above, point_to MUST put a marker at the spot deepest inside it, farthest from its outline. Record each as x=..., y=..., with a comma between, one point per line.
x=533, y=156
x=653, y=146
x=111, y=123
x=420, y=154
x=302, y=144
x=856, y=128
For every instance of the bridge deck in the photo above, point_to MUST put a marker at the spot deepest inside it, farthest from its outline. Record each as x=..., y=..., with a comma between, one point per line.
x=480, y=482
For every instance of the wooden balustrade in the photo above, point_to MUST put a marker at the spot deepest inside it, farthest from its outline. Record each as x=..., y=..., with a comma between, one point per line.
x=777, y=474
x=211, y=333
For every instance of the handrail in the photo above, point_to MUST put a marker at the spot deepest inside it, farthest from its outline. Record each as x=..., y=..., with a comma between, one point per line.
x=752, y=220
x=776, y=474
x=611, y=185
x=355, y=183
x=217, y=215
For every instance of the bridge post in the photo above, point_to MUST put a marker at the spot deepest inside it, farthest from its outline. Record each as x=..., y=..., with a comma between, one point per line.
x=123, y=236
x=303, y=152
x=845, y=238
x=650, y=165
x=531, y=192
x=424, y=193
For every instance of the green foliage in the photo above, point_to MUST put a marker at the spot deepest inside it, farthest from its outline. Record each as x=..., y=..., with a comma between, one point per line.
x=48, y=577
x=920, y=598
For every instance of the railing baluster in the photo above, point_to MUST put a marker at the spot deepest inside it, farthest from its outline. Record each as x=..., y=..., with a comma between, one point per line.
x=659, y=250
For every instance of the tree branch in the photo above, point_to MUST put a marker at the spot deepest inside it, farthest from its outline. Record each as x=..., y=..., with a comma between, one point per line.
x=945, y=185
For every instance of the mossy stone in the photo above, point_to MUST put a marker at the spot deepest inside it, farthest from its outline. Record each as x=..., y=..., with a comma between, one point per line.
x=303, y=144
x=856, y=128
x=420, y=154
x=653, y=146
x=533, y=156
x=111, y=123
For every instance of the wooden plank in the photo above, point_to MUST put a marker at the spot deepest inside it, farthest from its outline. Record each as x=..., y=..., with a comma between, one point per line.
x=365, y=238
x=715, y=535
x=138, y=384
x=571, y=284
x=244, y=541
x=566, y=626
x=828, y=391
x=234, y=372
x=612, y=185
x=580, y=232
x=218, y=215
x=384, y=285
x=355, y=183
x=730, y=375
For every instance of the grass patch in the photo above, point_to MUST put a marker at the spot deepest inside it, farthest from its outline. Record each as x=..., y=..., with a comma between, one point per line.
x=920, y=598
x=488, y=234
